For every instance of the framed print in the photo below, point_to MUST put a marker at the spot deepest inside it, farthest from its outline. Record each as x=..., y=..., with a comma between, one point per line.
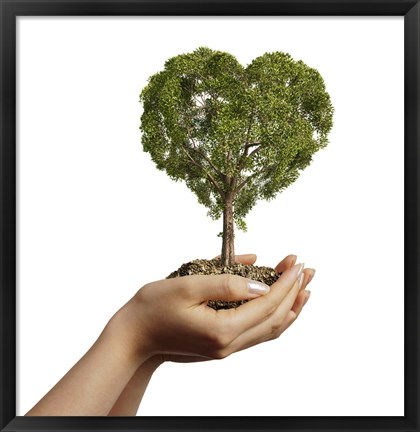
x=90, y=215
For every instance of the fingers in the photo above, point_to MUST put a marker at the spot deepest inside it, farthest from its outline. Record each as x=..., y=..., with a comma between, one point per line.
x=274, y=326
x=300, y=302
x=191, y=328
x=285, y=289
x=286, y=263
x=298, y=305
x=227, y=287
x=294, y=313
x=308, y=276
x=269, y=329
x=247, y=259
x=302, y=296
x=221, y=287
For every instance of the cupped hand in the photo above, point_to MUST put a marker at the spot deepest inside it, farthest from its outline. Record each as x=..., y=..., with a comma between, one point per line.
x=170, y=318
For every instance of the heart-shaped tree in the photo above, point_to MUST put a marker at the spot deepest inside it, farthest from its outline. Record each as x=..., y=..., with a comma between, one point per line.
x=234, y=134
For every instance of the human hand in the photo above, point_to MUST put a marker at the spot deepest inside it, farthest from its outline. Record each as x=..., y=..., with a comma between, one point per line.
x=301, y=299
x=303, y=295
x=171, y=317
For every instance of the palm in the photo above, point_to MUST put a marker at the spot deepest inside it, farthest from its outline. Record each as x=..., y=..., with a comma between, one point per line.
x=287, y=263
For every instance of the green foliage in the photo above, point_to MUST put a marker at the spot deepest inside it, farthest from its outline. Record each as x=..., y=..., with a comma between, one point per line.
x=232, y=132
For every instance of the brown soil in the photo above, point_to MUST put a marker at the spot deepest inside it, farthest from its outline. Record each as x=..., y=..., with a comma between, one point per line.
x=266, y=275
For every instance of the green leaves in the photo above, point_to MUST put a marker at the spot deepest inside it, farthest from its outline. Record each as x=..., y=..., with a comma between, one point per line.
x=225, y=129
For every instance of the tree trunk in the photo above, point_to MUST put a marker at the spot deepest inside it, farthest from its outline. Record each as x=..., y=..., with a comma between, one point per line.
x=228, y=248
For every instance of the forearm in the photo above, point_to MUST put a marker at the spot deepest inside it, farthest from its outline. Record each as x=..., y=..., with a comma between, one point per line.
x=129, y=401
x=96, y=381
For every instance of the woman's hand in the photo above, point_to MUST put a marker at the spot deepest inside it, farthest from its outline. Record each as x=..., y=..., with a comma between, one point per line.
x=171, y=316
x=130, y=398
x=250, y=259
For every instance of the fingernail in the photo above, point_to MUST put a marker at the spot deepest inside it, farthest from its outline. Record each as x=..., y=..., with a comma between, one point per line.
x=301, y=266
x=255, y=287
x=301, y=277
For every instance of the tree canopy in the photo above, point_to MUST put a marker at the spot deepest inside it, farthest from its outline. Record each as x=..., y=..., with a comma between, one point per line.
x=233, y=132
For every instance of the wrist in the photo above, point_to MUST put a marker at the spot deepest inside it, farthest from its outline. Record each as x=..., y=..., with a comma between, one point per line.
x=153, y=362
x=125, y=330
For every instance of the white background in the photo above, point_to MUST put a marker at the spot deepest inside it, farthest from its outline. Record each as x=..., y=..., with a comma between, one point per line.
x=97, y=220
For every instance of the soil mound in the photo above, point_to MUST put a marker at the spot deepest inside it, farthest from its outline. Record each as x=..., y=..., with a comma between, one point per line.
x=263, y=274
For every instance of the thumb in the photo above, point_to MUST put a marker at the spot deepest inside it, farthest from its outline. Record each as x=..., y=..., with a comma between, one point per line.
x=225, y=287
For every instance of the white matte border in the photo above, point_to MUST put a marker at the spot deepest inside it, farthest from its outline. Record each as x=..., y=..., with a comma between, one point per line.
x=91, y=208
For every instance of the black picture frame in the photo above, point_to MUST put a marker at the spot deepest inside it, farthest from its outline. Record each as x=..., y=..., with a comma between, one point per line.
x=9, y=11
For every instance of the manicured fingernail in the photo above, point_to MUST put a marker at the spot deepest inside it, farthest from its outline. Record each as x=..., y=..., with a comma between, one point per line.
x=308, y=294
x=301, y=277
x=301, y=266
x=255, y=287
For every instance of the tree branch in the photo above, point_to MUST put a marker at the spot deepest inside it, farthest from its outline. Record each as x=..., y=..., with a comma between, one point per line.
x=210, y=177
x=251, y=119
x=245, y=153
x=261, y=171
x=241, y=185
x=217, y=171
x=199, y=102
x=196, y=149
x=249, y=145
x=256, y=150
